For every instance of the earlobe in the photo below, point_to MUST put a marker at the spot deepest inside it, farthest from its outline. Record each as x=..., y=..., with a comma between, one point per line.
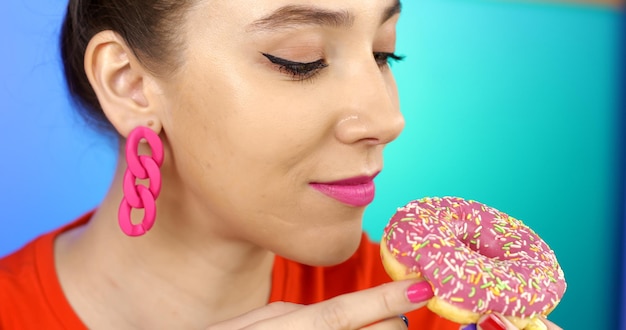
x=120, y=83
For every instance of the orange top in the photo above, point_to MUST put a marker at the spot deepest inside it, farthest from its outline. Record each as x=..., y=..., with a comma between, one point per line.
x=31, y=296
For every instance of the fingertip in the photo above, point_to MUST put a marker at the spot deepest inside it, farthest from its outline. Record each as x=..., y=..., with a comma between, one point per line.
x=549, y=324
x=420, y=292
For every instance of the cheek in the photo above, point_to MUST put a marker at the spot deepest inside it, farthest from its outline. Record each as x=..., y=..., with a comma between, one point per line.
x=246, y=131
x=246, y=150
x=265, y=124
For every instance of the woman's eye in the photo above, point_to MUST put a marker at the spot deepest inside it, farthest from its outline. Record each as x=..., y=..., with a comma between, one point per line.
x=383, y=59
x=297, y=70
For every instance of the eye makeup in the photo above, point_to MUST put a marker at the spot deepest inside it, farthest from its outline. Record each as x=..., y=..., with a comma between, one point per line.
x=300, y=71
x=297, y=70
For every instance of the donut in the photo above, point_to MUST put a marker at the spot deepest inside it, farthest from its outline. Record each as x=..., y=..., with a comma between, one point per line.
x=477, y=259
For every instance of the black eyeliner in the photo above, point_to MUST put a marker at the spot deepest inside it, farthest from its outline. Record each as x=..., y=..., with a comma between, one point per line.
x=298, y=70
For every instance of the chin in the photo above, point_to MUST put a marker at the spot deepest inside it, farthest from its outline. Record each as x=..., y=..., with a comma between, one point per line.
x=330, y=249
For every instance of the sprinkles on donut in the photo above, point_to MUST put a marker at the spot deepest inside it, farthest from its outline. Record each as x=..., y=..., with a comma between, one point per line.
x=478, y=260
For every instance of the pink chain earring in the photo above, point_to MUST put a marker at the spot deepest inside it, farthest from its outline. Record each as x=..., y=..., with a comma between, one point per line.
x=141, y=167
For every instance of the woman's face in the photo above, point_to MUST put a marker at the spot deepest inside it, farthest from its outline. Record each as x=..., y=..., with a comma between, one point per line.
x=277, y=119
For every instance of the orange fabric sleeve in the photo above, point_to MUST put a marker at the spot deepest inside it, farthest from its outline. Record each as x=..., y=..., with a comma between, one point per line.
x=30, y=294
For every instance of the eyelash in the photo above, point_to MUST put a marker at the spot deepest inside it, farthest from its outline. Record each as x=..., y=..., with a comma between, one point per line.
x=385, y=59
x=300, y=71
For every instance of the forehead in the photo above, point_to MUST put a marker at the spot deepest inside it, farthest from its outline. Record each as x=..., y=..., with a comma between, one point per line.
x=268, y=15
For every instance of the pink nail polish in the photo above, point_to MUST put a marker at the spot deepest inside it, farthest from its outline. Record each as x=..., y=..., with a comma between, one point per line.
x=419, y=292
x=492, y=322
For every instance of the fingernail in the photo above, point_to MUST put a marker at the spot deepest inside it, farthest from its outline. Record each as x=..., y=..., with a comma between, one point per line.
x=419, y=292
x=469, y=327
x=492, y=322
x=405, y=319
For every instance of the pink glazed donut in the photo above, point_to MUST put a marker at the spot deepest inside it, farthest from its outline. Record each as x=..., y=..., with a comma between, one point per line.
x=477, y=259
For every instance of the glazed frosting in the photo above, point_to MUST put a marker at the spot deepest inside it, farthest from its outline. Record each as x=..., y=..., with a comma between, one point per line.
x=476, y=257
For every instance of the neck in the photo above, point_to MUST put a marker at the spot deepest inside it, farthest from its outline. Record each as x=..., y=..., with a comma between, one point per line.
x=178, y=272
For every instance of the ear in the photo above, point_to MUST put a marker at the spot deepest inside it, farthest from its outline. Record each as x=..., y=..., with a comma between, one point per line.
x=126, y=91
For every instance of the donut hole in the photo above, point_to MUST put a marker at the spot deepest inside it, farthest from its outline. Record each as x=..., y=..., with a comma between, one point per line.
x=490, y=234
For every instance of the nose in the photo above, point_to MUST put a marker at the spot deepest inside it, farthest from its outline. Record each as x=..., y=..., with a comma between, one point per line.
x=369, y=106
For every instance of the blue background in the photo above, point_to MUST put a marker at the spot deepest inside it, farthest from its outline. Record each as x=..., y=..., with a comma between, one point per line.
x=509, y=103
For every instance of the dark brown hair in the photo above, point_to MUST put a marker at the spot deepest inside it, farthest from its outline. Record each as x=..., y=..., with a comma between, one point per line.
x=147, y=26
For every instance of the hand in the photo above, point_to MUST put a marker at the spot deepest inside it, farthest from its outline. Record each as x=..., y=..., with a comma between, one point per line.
x=497, y=322
x=375, y=308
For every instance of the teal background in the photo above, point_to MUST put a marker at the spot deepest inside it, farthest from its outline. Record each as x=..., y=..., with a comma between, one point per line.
x=515, y=105
x=509, y=103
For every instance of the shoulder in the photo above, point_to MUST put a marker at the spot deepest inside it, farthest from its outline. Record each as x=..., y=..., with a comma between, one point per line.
x=20, y=285
x=19, y=268
x=28, y=281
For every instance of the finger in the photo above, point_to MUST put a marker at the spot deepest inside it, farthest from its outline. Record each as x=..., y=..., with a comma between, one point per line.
x=266, y=312
x=358, y=309
x=550, y=325
x=394, y=323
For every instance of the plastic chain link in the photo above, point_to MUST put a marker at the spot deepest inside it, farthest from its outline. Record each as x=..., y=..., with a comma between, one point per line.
x=137, y=195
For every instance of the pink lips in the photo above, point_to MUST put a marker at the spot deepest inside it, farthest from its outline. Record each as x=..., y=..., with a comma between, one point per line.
x=357, y=191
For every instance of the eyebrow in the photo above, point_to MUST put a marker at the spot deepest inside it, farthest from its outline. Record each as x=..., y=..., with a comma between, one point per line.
x=294, y=15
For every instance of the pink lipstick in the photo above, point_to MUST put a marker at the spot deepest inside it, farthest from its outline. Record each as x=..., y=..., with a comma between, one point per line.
x=357, y=191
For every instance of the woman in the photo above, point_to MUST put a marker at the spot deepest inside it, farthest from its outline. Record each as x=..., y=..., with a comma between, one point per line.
x=272, y=116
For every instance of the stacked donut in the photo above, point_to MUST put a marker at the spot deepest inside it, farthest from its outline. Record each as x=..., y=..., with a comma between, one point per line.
x=477, y=259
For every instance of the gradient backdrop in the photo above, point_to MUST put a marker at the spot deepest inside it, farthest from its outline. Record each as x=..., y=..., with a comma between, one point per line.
x=512, y=104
